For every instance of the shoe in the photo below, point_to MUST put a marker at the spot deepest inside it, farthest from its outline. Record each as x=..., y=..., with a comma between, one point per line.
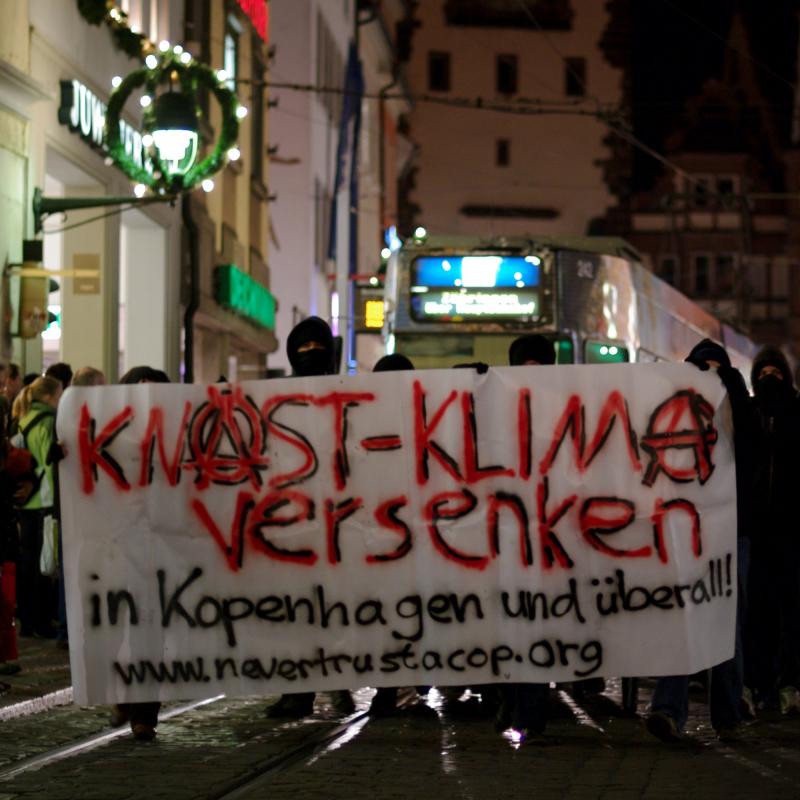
x=730, y=733
x=143, y=732
x=527, y=737
x=789, y=699
x=118, y=717
x=342, y=702
x=10, y=668
x=663, y=727
x=292, y=706
x=747, y=705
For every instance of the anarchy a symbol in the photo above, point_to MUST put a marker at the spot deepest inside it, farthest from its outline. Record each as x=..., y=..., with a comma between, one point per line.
x=680, y=439
x=227, y=440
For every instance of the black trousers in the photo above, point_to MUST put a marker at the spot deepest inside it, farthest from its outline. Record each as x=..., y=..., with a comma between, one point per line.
x=772, y=652
x=36, y=593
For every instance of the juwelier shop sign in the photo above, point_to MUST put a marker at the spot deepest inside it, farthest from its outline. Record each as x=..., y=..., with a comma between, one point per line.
x=85, y=114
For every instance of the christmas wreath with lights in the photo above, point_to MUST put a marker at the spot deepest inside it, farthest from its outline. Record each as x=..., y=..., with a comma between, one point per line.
x=172, y=67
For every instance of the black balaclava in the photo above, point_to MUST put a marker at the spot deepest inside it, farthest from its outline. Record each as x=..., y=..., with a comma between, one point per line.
x=531, y=347
x=771, y=388
x=392, y=363
x=706, y=351
x=311, y=362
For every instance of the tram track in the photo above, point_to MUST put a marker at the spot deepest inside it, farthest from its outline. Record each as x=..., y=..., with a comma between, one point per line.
x=311, y=748
x=89, y=742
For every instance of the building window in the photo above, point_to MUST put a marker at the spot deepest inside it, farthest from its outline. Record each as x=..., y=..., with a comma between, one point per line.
x=438, y=71
x=702, y=280
x=257, y=112
x=700, y=192
x=503, y=152
x=330, y=69
x=713, y=191
x=575, y=77
x=725, y=277
x=668, y=269
x=230, y=55
x=506, y=74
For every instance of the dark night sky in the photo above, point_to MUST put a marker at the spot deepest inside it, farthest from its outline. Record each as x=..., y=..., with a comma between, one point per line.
x=676, y=48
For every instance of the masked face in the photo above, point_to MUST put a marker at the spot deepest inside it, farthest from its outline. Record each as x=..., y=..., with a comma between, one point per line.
x=315, y=361
x=770, y=386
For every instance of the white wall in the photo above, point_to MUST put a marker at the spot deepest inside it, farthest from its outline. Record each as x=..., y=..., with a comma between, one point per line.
x=301, y=129
x=143, y=291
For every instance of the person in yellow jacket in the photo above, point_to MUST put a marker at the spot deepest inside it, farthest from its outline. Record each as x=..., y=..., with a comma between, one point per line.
x=35, y=411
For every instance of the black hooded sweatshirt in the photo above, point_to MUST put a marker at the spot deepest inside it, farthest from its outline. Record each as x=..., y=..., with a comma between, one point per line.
x=777, y=438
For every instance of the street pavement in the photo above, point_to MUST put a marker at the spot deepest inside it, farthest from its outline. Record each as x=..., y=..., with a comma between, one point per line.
x=432, y=748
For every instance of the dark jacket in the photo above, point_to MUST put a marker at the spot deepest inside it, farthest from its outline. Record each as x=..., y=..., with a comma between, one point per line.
x=776, y=411
x=743, y=427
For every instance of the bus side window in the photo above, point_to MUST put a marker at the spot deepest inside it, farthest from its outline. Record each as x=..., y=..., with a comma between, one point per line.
x=604, y=353
x=565, y=351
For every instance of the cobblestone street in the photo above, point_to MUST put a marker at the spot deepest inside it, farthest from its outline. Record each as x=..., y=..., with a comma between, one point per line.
x=430, y=748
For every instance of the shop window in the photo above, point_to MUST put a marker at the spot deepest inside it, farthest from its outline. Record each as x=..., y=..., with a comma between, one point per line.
x=506, y=74
x=575, y=77
x=503, y=152
x=438, y=71
x=605, y=353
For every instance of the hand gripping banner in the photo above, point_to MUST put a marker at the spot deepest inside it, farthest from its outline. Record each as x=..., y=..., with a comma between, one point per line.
x=401, y=528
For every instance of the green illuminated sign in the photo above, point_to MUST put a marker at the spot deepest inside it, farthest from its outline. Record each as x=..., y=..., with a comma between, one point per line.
x=238, y=292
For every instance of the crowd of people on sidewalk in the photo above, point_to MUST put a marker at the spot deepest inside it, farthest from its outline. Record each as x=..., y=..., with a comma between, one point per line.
x=763, y=673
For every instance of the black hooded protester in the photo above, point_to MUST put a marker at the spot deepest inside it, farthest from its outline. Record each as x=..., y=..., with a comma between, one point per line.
x=311, y=351
x=669, y=709
x=773, y=621
x=310, y=348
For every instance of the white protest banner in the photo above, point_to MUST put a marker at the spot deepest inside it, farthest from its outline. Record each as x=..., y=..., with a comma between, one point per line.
x=433, y=527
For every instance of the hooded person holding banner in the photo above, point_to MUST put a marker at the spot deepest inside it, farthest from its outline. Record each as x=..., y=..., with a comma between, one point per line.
x=312, y=353
x=669, y=708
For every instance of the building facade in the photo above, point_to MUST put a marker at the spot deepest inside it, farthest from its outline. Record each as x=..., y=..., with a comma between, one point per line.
x=536, y=165
x=721, y=220
x=334, y=163
x=123, y=276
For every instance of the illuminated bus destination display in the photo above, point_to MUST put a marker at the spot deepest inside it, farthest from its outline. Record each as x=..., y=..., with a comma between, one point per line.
x=452, y=288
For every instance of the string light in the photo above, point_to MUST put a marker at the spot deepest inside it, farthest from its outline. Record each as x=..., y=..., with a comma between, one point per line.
x=241, y=112
x=208, y=185
x=139, y=190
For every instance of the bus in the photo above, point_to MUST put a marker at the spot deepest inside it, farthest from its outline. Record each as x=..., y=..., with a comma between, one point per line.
x=452, y=300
